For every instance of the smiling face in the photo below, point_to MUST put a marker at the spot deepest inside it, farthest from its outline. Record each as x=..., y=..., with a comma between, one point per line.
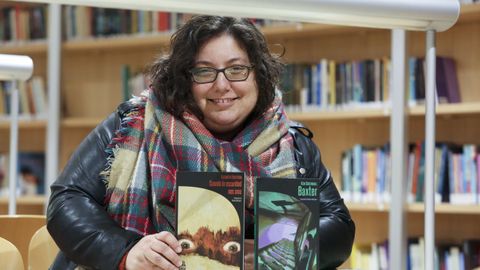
x=225, y=105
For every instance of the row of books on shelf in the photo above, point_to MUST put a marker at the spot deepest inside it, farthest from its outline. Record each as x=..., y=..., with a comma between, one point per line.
x=22, y=23
x=448, y=256
x=83, y=22
x=28, y=22
x=32, y=98
x=30, y=173
x=446, y=76
x=329, y=84
x=366, y=173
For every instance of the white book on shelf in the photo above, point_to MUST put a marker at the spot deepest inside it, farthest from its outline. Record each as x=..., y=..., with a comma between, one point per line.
x=324, y=83
x=454, y=259
x=39, y=96
x=375, y=257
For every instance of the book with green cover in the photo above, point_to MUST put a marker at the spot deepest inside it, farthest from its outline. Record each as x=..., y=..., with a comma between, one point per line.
x=286, y=223
x=210, y=220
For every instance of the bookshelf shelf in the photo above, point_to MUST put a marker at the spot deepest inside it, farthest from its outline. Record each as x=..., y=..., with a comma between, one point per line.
x=24, y=47
x=25, y=200
x=443, y=208
x=449, y=109
x=119, y=42
x=467, y=108
x=294, y=30
x=24, y=124
x=347, y=114
x=446, y=208
x=79, y=122
x=25, y=204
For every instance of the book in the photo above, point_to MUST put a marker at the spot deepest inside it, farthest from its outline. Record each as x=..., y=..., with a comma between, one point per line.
x=31, y=173
x=441, y=83
x=471, y=250
x=210, y=219
x=286, y=223
x=451, y=80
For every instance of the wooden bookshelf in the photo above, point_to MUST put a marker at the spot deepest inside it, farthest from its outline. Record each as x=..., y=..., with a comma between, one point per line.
x=442, y=208
x=27, y=48
x=340, y=114
x=465, y=108
x=33, y=205
x=24, y=124
x=122, y=42
x=442, y=110
x=79, y=122
x=91, y=90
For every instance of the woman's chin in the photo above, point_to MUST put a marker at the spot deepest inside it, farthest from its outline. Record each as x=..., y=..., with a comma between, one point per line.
x=222, y=126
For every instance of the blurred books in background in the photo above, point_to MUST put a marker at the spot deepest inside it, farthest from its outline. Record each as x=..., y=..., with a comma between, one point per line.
x=31, y=173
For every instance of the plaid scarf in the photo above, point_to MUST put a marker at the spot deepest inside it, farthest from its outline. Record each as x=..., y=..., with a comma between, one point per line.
x=151, y=146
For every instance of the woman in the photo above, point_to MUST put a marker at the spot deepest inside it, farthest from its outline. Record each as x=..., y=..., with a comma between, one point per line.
x=212, y=106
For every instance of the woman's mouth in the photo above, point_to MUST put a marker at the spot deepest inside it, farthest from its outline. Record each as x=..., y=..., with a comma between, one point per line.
x=222, y=100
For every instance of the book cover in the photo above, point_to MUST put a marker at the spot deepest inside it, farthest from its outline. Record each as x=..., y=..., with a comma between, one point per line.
x=286, y=223
x=210, y=220
x=451, y=81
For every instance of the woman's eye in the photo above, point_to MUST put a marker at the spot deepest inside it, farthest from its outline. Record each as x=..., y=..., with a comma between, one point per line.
x=186, y=244
x=236, y=69
x=231, y=247
x=204, y=72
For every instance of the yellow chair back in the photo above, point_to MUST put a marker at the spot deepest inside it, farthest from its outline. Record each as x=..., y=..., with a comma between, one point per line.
x=10, y=256
x=19, y=229
x=42, y=250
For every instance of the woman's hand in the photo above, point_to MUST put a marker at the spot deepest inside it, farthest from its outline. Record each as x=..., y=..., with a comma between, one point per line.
x=155, y=251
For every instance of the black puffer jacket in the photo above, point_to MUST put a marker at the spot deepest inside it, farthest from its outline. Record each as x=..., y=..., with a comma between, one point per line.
x=77, y=220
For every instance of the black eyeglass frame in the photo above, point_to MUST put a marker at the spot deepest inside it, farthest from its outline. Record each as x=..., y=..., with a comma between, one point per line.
x=222, y=70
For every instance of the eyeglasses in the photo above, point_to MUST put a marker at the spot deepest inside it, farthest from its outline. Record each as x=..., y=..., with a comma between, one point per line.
x=235, y=73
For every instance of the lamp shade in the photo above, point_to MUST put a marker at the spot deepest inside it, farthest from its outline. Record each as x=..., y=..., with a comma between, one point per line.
x=15, y=67
x=420, y=15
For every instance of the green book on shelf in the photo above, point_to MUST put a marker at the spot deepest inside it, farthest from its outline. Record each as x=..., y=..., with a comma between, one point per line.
x=125, y=73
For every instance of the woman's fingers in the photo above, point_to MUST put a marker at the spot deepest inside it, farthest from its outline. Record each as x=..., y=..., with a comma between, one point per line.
x=161, y=260
x=156, y=251
x=166, y=254
x=170, y=240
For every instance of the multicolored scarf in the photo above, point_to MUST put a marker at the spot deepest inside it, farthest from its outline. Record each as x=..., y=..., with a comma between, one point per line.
x=152, y=145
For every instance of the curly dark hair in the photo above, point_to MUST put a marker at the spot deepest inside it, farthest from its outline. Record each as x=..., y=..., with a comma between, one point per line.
x=170, y=77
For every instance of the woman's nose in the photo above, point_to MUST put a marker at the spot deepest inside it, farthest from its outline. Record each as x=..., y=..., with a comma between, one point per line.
x=222, y=83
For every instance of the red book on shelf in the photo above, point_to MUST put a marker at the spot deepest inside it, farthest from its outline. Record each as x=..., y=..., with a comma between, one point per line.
x=163, y=21
x=416, y=166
